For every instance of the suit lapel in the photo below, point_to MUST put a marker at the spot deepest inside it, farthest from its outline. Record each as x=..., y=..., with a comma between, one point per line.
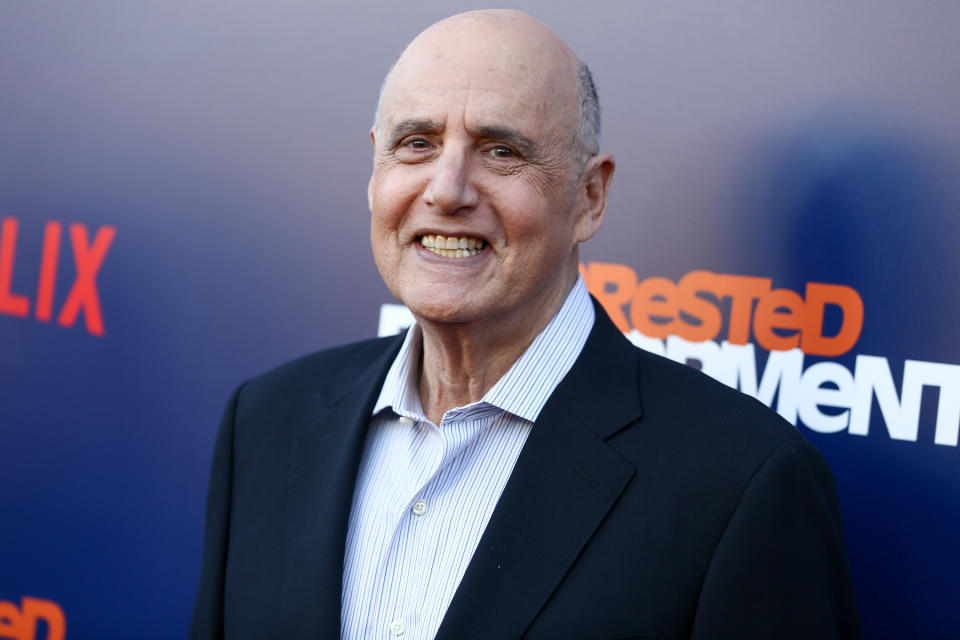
x=564, y=483
x=324, y=457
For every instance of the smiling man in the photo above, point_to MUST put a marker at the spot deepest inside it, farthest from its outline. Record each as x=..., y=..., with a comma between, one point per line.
x=482, y=189
x=511, y=466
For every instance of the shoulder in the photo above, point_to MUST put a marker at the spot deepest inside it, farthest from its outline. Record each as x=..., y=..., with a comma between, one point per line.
x=681, y=409
x=683, y=391
x=693, y=426
x=334, y=362
x=317, y=376
x=672, y=389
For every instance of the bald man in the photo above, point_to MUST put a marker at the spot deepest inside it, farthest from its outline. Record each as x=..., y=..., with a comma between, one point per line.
x=511, y=466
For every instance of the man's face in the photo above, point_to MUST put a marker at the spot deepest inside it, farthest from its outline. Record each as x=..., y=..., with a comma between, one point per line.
x=474, y=150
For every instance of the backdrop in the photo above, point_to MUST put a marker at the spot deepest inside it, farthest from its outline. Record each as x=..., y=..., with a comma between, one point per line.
x=182, y=205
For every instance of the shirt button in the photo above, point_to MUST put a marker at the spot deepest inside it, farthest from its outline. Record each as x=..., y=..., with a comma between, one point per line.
x=406, y=420
x=419, y=508
x=397, y=628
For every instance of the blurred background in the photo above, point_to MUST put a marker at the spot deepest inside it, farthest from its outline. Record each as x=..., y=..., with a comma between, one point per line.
x=193, y=175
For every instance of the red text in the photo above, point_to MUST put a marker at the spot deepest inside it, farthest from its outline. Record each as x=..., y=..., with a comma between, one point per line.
x=88, y=255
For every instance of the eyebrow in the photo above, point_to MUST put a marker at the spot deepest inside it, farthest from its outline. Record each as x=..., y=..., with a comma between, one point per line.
x=503, y=134
x=408, y=126
x=511, y=136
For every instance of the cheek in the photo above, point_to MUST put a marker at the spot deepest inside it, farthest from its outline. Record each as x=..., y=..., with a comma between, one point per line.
x=532, y=216
x=392, y=194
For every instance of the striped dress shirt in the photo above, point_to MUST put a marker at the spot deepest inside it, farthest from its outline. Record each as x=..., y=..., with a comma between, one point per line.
x=425, y=492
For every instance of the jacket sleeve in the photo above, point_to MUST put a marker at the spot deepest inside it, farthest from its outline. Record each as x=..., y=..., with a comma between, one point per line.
x=207, y=623
x=780, y=569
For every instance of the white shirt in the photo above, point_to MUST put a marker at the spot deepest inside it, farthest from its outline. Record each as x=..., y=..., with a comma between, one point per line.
x=425, y=492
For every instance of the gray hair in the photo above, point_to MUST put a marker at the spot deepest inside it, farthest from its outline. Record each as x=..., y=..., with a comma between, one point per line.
x=383, y=88
x=588, y=125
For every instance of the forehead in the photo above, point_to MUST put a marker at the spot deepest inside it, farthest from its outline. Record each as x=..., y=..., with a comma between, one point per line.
x=475, y=96
x=481, y=75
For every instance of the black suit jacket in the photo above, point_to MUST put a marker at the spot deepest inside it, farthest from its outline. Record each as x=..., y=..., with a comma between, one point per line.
x=648, y=502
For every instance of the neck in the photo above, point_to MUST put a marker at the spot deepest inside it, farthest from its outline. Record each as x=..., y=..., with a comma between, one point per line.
x=462, y=361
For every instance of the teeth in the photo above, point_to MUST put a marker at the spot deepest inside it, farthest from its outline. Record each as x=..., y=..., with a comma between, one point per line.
x=453, y=246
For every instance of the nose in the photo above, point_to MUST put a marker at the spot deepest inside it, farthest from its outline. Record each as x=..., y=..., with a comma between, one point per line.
x=451, y=188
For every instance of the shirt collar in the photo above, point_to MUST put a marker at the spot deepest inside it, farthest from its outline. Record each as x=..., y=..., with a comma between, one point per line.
x=525, y=388
x=400, y=390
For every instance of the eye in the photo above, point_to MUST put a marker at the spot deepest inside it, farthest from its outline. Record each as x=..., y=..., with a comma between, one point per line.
x=417, y=142
x=500, y=151
x=414, y=149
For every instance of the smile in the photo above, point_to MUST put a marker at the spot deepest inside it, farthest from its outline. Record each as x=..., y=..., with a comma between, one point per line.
x=453, y=246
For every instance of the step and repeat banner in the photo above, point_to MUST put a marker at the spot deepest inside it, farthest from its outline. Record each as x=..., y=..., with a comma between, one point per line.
x=183, y=205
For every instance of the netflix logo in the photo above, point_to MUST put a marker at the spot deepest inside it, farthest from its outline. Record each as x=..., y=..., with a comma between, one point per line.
x=88, y=251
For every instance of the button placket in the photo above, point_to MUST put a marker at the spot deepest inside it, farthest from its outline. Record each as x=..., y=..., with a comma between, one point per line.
x=424, y=467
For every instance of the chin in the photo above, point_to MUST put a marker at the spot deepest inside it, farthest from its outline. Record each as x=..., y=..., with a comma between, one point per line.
x=442, y=313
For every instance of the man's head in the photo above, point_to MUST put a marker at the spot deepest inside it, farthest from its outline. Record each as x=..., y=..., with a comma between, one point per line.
x=588, y=122
x=486, y=133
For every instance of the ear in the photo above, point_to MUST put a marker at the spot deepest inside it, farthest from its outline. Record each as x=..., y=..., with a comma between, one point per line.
x=592, y=192
x=373, y=140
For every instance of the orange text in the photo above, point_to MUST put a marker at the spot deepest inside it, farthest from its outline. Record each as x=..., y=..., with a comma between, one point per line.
x=696, y=306
x=21, y=623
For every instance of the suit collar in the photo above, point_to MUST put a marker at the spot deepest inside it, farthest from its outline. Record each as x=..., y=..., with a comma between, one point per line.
x=324, y=457
x=564, y=483
x=602, y=386
x=362, y=375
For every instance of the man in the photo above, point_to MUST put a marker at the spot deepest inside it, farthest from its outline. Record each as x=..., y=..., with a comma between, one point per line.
x=512, y=466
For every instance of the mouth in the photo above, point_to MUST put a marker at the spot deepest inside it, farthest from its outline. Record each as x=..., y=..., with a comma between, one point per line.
x=452, y=246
